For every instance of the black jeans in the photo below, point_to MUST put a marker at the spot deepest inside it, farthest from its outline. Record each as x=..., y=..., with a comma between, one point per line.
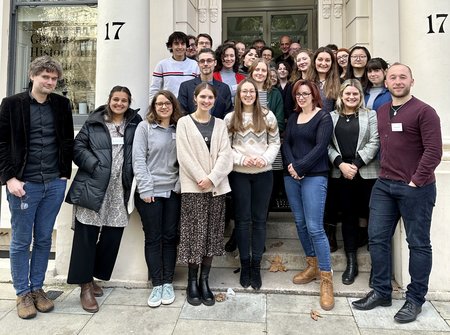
x=251, y=197
x=160, y=220
x=93, y=255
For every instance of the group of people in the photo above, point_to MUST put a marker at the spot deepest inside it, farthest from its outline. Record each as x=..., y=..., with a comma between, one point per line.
x=343, y=138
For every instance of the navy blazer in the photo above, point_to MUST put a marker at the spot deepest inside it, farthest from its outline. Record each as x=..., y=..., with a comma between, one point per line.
x=222, y=106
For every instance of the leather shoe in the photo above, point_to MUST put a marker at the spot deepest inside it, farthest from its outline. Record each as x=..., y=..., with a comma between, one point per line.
x=372, y=300
x=408, y=312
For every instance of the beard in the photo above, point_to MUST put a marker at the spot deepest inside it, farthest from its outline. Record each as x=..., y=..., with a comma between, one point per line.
x=401, y=94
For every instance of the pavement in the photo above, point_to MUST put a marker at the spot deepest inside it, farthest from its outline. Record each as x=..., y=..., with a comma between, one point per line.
x=125, y=311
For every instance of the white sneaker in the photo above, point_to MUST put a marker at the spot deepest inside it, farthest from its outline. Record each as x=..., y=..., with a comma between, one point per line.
x=155, y=298
x=168, y=294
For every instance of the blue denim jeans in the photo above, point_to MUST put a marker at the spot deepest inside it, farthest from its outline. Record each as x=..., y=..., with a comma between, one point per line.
x=33, y=223
x=307, y=200
x=389, y=201
x=251, y=197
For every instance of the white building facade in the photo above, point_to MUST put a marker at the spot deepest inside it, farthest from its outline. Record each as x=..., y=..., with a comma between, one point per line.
x=106, y=42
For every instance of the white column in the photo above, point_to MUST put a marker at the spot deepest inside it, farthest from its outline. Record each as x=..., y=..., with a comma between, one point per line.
x=425, y=46
x=123, y=39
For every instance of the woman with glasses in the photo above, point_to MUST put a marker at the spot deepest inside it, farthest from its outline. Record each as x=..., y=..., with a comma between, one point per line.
x=357, y=68
x=324, y=72
x=305, y=157
x=157, y=199
x=227, y=68
x=205, y=159
x=253, y=131
x=353, y=153
x=342, y=60
x=101, y=188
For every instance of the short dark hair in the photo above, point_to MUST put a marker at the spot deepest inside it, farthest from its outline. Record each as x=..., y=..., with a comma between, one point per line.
x=204, y=35
x=176, y=36
x=115, y=89
x=266, y=48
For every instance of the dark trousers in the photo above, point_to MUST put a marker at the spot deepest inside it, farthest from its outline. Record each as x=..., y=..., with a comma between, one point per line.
x=93, y=255
x=352, y=199
x=251, y=197
x=160, y=220
x=391, y=200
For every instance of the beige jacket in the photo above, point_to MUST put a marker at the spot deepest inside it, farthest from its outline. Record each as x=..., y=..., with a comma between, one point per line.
x=197, y=162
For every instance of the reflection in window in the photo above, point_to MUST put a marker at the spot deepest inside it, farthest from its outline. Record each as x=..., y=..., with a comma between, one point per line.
x=67, y=33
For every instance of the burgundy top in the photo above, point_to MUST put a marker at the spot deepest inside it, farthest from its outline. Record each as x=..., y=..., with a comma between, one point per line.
x=413, y=153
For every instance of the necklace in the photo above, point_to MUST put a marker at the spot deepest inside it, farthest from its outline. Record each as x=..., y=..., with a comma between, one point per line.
x=395, y=110
x=203, y=124
x=348, y=117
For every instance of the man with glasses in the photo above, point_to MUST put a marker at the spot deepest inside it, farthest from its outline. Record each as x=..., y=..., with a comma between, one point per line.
x=204, y=41
x=206, y=61
x=36, y=143
x=171, y=72
x=191, y=50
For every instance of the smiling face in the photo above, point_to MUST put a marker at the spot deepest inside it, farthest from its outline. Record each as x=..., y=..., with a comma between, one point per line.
x=250, y=57
x=164, y=108
x=179, y=50
x=119, y=103
x=229, y=58
x=240, y=47
x=303, y=61
x=358, y=59
x=248, y=94
x=205, y=99
x=323, y=62
x=285, y=43
x=203, y=42
x=342, y=58
x=260, y=74
x=206, y=63
x=376, y=77
x=351, y=98
x=267, y=55
x=282, y=71
x=399, y=81
x=303, y=97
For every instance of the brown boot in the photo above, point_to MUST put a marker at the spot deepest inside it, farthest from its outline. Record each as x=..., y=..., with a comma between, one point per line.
x=309, y=274
x=25, y=306
x=326, y=290
x=98, y=291
x=87, y=298
x=42, y=302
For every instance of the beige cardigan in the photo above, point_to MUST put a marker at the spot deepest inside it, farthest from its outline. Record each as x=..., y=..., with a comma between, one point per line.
x=197, y=162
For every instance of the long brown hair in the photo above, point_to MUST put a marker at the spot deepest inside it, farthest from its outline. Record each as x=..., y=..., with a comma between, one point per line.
x=259, y=113
x=332, y=81
x=267, y=85
x=152, y=116
x=315, y=94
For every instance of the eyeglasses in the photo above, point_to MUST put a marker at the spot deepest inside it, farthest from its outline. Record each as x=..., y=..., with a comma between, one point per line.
x=358, y=57
x=165, y=104
x=245, y=92
x=342, y=57
x=304, y=95
x=192, y=46
x=206, y=61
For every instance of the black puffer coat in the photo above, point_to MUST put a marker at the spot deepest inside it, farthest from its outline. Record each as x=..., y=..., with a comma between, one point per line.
x=93, y=155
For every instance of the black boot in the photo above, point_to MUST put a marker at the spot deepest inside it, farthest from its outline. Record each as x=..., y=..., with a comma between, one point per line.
x=192, y=291
x=245, y=273
x=348, y=277
x=330, y=230
x=255, y=274
x=231, y=245
x=207, y=296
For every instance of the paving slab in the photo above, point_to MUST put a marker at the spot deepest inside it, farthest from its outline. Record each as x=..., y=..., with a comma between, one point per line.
x=443, y=308
x=7, y=291
x=71, y=302
x=243, y=307
x=286, y=324
x=44, y=323
x=139, y=297
x=114, y=319
x=383, y=318
x=195, y=327
x=6, y=306
x=297, y=304
x=396, y=332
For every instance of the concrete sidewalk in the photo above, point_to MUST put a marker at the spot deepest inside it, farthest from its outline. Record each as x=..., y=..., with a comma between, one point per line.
x=125, y=311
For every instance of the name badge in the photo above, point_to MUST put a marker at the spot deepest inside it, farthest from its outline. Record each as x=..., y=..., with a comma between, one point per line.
x=117, y=140
x=174, y=136
x=397, y=127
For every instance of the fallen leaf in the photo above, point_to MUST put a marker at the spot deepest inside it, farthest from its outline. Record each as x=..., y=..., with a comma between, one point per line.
x=276, y=245
x=315, y=315
x=276, y=264
x=220, y=297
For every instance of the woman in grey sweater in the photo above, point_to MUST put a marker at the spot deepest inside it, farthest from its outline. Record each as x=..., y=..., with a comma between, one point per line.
x=157, y=199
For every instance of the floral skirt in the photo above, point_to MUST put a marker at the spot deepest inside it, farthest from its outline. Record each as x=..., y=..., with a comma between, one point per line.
x=201, y=228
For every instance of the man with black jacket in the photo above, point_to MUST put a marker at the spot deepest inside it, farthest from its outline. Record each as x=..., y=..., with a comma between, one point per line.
x=36, y=142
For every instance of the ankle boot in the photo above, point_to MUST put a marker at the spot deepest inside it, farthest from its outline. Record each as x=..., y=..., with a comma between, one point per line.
x=231, y=245
x=330, y=231
x=245, y=273
x=255, y=274
x=207, y=296
x=309, y=274
x=348, y=277
x=87, y=298
x=192, y=291
x=326, y=290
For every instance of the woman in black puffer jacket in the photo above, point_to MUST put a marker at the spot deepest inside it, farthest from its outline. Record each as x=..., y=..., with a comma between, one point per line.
x=100, y=192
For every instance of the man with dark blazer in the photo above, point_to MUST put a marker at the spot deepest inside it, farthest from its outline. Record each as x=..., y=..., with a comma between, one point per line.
x=206, y=62
x=36, y=144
